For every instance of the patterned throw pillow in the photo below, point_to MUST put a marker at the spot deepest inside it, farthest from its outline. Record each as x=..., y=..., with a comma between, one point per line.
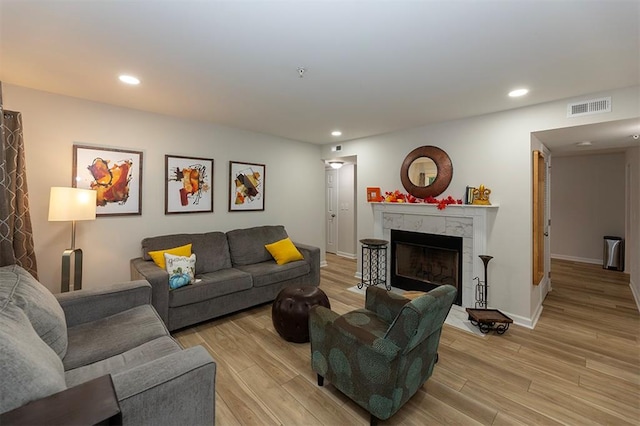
x=181, y=269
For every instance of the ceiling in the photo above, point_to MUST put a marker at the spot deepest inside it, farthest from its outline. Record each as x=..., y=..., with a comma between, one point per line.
x=372, y=67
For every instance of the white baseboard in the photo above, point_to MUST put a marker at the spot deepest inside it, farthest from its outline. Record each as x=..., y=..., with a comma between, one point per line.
x=524, y=321
x=635, y=293
x=576, y=259
x=323, y=263
x=347, y=255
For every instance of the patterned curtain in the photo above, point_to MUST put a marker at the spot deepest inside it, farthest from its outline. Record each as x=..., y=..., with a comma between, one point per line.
x=16, y=236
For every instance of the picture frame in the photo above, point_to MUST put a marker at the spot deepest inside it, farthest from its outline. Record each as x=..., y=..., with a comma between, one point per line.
x=188, y=184
x=373, y=195
x=246, y=186
x=115, y=174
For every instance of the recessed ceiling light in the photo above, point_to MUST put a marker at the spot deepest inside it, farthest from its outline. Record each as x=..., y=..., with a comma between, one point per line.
x=518, y=92
x=336, y=133
x=584, y=143
x=129, y=79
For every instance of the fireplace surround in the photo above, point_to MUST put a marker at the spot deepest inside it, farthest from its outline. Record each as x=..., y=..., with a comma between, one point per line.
x=469, y=222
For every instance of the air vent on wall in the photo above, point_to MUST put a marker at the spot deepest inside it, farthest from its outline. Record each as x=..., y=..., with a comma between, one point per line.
x=593, y=106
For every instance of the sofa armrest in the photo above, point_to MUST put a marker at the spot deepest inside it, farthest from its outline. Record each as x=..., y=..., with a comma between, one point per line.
x=91, y=304
x=159, y=280
x=176, y=389
x=312, y=256
x=92, y=402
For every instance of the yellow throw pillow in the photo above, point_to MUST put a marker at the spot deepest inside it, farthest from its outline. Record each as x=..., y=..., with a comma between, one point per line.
x=158, y=255
x=284, y=251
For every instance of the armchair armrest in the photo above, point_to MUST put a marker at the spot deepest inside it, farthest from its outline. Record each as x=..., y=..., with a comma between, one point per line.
x=91, y=304
x=88, y=403
x=183, y=383
x=385, y=304
x=312, y=256
x=159, y=280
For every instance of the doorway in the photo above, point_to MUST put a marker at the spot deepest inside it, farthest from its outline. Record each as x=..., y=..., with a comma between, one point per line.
x=340, y=211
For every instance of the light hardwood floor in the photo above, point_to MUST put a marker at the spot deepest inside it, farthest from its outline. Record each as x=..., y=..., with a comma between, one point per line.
x=580, y=366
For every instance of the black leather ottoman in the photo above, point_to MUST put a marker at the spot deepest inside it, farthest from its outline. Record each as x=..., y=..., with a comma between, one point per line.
x=290, y=311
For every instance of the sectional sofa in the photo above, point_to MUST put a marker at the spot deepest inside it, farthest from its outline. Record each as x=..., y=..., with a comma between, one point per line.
x=53, y=347
x=234, y=271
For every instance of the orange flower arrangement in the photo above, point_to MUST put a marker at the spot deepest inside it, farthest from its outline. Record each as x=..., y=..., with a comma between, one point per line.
x=399, y=197
x=394, y=197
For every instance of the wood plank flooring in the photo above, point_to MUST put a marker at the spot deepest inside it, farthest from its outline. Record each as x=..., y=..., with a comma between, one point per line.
x=580, y=366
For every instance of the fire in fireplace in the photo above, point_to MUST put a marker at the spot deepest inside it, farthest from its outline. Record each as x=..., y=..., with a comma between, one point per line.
x=421, y=261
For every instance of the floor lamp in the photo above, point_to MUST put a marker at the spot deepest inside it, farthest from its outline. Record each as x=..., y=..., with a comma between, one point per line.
x=72, y=204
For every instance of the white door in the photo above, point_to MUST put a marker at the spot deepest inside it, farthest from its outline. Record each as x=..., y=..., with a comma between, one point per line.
x=332, y=210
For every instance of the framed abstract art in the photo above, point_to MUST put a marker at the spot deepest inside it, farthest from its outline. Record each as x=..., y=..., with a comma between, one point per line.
x=246, y=186
x=116, y=176
x=188, y=184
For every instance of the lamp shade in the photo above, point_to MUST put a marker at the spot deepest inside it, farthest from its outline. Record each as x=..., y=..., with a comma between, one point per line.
x=68, y=204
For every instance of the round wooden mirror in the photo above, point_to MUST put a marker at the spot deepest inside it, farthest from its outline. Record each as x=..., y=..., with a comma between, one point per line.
x=426, y=172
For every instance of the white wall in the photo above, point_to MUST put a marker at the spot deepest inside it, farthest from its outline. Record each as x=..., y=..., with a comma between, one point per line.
x=494, y=150
x=587, y=203
x=294, y=178
x=632, y=243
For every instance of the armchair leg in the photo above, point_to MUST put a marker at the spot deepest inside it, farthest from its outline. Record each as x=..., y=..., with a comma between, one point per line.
x=436, y=358
x=320, y=380
x=374, y=420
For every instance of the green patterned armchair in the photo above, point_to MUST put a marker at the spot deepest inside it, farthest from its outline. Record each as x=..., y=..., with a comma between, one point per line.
x=381, y=355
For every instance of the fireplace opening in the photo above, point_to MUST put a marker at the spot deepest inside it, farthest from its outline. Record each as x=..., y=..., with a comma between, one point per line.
x=421, y=261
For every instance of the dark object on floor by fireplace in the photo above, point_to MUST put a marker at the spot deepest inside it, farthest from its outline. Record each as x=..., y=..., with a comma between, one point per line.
x=481, y=317
x=482, y=286
x=489, y=319
x=374, y=263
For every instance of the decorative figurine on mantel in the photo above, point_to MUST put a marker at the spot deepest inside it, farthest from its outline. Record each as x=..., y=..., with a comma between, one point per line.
x=481, y=196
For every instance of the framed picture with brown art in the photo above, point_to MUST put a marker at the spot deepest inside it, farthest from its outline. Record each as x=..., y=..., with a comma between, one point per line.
x=115, y=174
x=246, y=186
x=188, y=184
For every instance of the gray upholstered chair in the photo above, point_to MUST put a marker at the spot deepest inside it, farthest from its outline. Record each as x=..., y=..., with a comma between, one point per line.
x=50, y=344
x=381, y=355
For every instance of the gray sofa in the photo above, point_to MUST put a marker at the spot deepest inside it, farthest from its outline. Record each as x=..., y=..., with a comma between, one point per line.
x=235, y=269
x=51, y=343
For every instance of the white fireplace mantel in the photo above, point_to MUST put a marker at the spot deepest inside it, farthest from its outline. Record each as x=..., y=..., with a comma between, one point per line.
x=470, y=222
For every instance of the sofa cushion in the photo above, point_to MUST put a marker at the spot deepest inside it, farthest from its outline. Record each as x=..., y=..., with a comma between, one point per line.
x=30, y=368
x=38, y=303
x=212, y=284
x=247, y=246
x=211, y=249
x=132, y=358
x=266, y=273
x=96, y=340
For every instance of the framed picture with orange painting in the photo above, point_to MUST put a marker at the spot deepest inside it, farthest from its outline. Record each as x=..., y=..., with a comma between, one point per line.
x=115, y=174
x=188, y=184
